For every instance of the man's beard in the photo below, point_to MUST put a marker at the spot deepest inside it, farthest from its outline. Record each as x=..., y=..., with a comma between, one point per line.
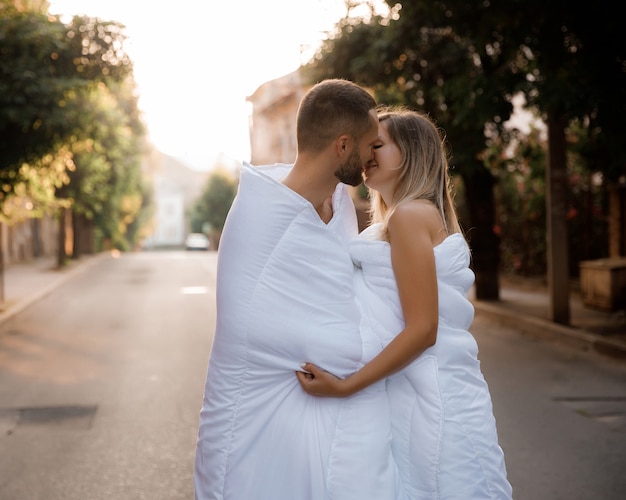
x=351, y=171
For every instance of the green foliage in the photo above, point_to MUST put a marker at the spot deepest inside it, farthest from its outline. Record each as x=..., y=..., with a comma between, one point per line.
x=70, y=129
x=106, y=185
x=138, y=229
x=214, y=203
x=588, y=210
x=576, y=56
x=521, y=202
x=462, y=61
x=32, y=89
x=44, y=65
x=415, y=57
x=520, y=194
x=124, y=202
x=35, y=193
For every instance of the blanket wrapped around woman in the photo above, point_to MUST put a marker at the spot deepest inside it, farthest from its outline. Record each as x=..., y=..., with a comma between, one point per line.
x=444, y=432
x=285, y=296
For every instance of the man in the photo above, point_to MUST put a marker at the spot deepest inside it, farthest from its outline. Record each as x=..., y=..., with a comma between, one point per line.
x=284, y=296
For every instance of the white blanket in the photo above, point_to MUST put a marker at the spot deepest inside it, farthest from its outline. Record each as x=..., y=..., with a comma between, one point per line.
x=284, y=296
x=444, y=433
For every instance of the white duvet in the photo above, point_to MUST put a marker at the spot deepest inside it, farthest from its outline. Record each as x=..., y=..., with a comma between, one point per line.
x=444, y=433
x=284, y=296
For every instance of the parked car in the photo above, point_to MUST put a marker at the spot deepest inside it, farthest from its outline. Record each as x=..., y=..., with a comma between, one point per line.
x=197, y=241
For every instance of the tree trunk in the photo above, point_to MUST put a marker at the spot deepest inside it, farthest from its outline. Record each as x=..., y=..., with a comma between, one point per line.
x=83, y=235
x=1, y=264
x=556, y=210
x=77, y=235
x=65, y=236
x=484, y=242
x=617, y=221
x=37, y=246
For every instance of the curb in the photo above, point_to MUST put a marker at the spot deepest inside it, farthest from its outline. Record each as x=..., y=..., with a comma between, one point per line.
x=548, y=330
x=65, y=276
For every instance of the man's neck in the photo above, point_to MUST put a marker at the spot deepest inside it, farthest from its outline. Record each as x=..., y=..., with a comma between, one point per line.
x=326, y=210
x=310, y=182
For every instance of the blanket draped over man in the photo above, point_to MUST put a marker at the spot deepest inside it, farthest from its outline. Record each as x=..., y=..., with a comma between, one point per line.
x=285, y=296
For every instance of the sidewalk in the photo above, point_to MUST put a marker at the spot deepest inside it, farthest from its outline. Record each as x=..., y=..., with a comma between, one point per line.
x=29, y=282
x=523, y=304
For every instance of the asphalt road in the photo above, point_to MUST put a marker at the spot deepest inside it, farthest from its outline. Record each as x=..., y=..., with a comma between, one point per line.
x=101, y=384
x=561, y=415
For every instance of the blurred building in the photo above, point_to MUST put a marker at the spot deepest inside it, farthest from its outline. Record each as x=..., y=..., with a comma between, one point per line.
x=176, y=187
x=273, y=120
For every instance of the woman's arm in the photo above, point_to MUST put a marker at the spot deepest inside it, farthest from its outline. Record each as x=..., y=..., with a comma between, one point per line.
x=414, y=229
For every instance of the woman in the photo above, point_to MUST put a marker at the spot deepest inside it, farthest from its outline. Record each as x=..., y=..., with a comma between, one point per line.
x=412, y=277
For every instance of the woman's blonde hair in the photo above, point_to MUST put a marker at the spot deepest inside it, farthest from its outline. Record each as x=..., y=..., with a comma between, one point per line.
x=423, y=170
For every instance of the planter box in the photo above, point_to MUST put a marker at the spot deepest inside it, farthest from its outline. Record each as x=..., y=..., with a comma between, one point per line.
x=603, y=283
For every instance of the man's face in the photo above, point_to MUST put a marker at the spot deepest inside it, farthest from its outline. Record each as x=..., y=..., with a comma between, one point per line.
x=351, y=170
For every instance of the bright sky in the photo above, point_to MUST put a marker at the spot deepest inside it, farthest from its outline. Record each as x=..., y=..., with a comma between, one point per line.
x=197, y=60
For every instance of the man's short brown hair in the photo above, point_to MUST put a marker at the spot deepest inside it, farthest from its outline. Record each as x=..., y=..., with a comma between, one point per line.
x=332, y=108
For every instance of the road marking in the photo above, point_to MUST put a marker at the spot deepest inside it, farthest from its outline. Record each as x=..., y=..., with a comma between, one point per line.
x=194, y=290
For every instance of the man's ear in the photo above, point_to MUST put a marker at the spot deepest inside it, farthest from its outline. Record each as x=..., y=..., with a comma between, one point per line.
x=341, y=144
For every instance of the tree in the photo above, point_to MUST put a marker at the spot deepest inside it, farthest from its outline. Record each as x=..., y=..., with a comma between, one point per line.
x=43, y=64
x=416, y=58
x=105, y=187
x=572, y=55
x=31, y=120
x=520, y=197
x=462, y=61
x=208, y=213
x=70, y=128
x=575, y=55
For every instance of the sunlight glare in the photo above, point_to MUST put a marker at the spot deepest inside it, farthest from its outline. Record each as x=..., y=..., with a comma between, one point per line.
x=196, y=62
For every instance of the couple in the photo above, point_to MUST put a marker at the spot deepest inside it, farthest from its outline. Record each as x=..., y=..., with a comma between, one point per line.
x=355, y=421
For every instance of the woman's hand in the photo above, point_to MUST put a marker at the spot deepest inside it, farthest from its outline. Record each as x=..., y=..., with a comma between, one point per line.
x=318, y=382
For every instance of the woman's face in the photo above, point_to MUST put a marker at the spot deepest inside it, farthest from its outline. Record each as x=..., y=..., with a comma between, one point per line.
x=350, y=171
x=382, y=172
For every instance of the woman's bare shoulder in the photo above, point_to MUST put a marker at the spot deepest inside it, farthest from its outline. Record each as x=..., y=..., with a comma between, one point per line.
x=416, y=211
x=418, y=215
